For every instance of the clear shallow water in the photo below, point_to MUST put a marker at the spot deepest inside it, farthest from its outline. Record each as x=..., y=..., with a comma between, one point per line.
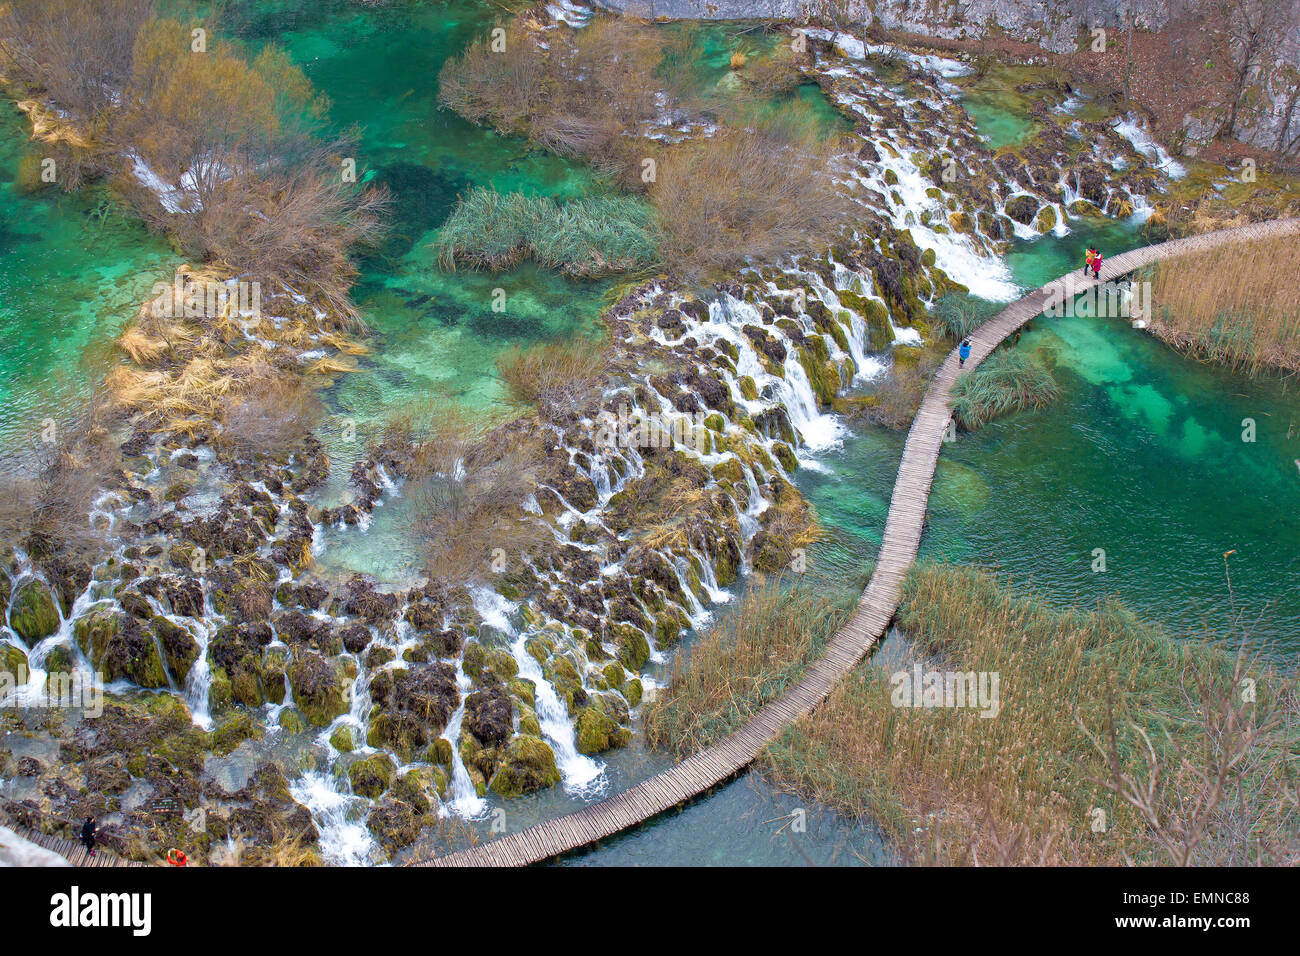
x=1142, y=456
x=69, y=281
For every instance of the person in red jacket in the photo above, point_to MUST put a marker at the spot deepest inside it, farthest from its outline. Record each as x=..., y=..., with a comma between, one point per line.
x=1096, y=265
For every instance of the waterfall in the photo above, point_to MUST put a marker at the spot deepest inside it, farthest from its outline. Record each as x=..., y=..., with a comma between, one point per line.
x=579, y=773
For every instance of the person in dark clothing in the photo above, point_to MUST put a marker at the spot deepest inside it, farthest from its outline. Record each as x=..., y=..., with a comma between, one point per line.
x=963, y=353
x=88, y=835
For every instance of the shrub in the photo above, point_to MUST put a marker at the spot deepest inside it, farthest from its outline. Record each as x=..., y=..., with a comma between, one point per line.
x=556, y=376
x=1005, y=382
x=276, y=410
x=1079, y=692
x=753, y=655
x=77, y=51
x=745, y=194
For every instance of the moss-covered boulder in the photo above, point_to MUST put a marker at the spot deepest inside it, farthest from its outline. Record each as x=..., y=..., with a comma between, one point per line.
x=13, y=662
x=121, y=647
x=1023, y=208
x=343, y=739
x=395, y=823
x=179, y=647
x=600, y=724
x=233, y=731
x=371, y=775
x=633, y=647
x=527, y=765
x=319, y=688
x=32, y=613
x=1046, y=219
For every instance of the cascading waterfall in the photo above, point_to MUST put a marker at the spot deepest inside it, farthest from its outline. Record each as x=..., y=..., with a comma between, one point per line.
x=579, y=773
x=465, y=801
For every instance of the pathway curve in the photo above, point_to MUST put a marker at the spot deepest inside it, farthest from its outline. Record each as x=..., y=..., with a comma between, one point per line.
x=876, y=609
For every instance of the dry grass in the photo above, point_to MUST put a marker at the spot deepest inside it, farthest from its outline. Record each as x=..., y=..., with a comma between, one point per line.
x=1081, y=695
x=555, y=376
x=1238, y=305
x=752, y=656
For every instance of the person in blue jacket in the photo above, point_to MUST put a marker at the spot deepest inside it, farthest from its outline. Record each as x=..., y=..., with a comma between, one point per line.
x=963, y=353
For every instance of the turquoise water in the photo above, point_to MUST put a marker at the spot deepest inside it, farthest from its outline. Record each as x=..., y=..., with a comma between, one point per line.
x=1142, y=457
x=73, y=271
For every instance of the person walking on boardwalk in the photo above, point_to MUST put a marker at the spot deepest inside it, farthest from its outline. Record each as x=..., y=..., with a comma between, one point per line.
x=1096, y=265
x=1087, y=259
x=88, y=835
x=963, y=353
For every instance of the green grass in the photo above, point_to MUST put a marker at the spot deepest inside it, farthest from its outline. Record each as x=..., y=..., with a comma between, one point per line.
x=583, y=237
x=1005, y=382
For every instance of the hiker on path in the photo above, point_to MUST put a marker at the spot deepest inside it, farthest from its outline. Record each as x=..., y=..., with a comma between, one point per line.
x=88, y=835
x=1096, y=265
x=963, y=353
x=1087, y=260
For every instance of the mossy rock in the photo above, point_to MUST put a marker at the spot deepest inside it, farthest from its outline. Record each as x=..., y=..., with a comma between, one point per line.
x=1023, y=208
x=633, y=648
x=343, y=739
x=1046, y=221
x=59, y=660
x=371, y=775
x=527, y=765
x=528, y=722
x=292, y=721
x=880, y=334
x=633, y=692
x=13, y=661
x=891, y=178
x=439, y=752
x=524, y=690
x=748, y=388
x=669, y=625
x=961, y=222
x=599, y=726
x=33, y=614
x=419, y=787
x=233, y=731
x=730, y=471
x=785, y=455
x=319, y=688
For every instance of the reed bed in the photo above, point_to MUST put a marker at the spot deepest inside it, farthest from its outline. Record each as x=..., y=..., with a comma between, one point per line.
x=1005, y=382
x=583, y=237
x=1237, y=306
x=754, y=655
x=957, y=316
x=1081, y=694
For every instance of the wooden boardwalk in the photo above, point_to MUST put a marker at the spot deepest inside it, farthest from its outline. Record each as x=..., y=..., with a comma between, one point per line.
x=871, y=618
x=71, y=850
